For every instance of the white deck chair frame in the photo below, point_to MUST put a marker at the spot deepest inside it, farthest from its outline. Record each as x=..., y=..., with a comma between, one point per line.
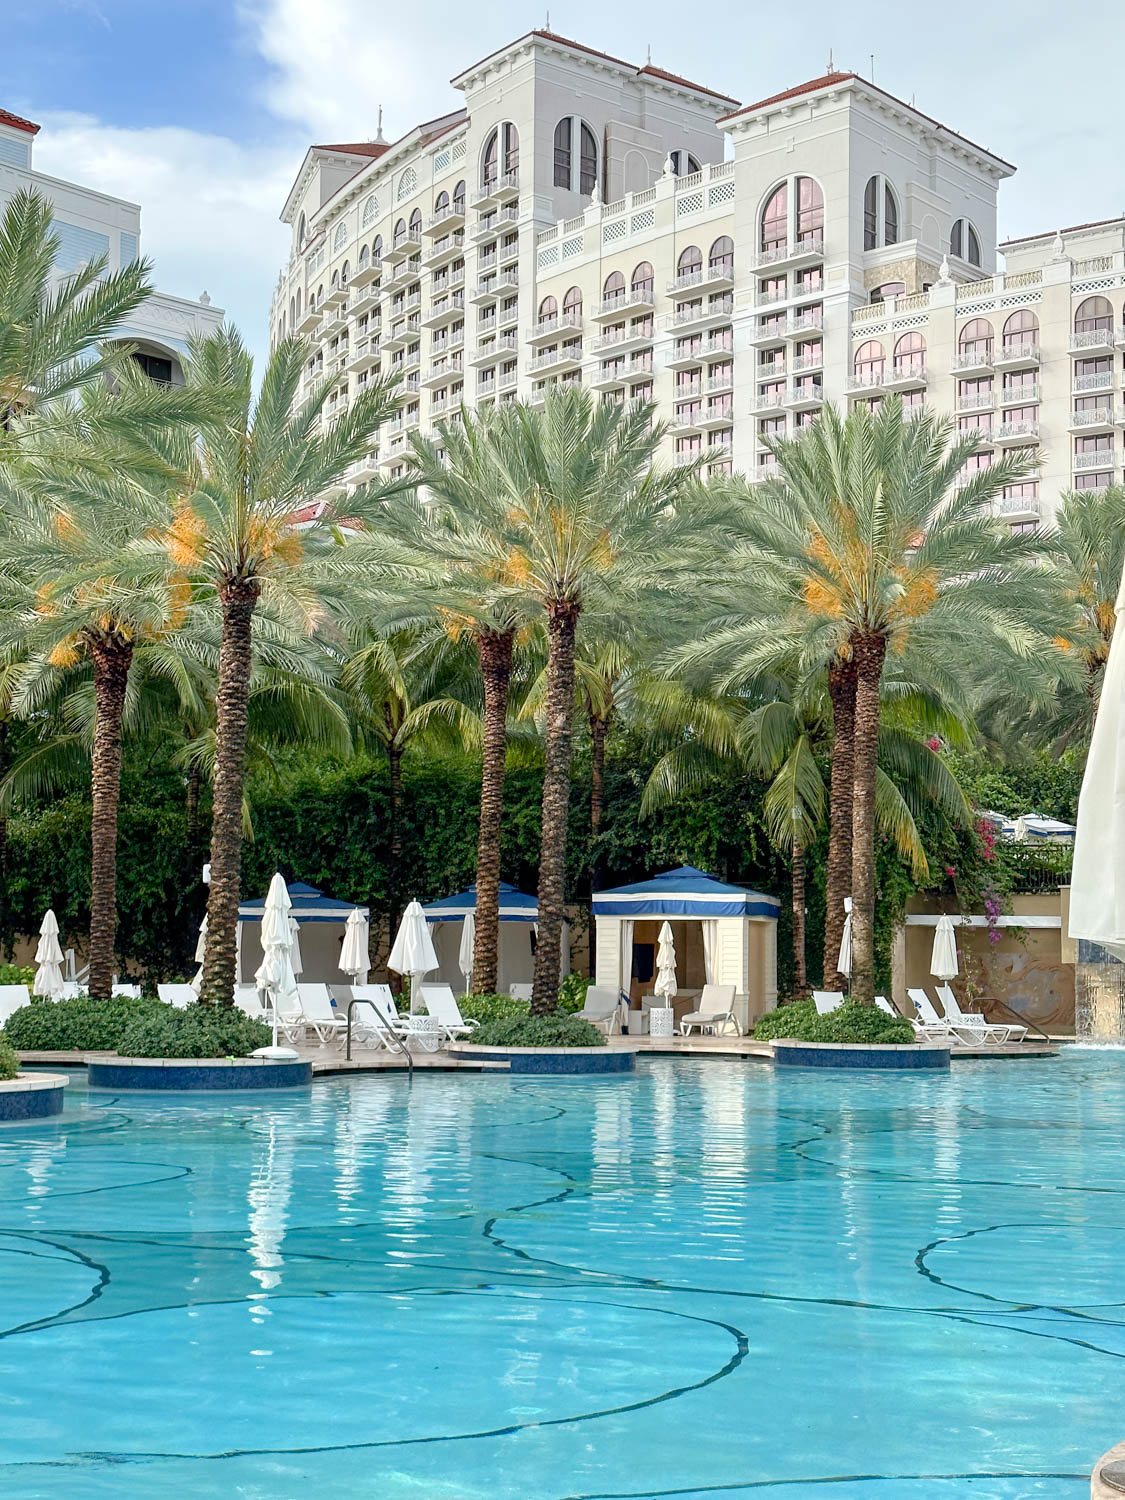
x=602, y=1008
x=441, y=1003
x=382, y=1018
x=994, y=1033
x=316, y=1003
x=716, y=1011
x=179, y=995
x=929, y=1024
x=12, y=998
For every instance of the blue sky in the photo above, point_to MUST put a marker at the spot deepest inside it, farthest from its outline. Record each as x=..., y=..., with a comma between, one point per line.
x=201, y=109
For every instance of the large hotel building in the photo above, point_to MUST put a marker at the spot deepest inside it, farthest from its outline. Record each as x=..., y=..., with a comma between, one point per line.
x=583, y=219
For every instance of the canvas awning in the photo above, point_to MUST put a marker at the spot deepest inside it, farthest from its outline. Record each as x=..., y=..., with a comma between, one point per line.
x=685, y=892
x=308, y=905
x=515, y=906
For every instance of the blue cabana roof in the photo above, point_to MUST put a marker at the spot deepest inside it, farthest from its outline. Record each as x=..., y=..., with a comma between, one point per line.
x=686, y=892
x=309, y=905
x=515, y=906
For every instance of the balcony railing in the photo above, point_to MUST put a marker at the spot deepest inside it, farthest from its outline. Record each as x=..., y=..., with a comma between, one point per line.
x=1101, y=458
x=619, y=301
x=1101, y=380
x=1091, y=338
x=1094, y=416
x=1015, y=430
x=812, y=246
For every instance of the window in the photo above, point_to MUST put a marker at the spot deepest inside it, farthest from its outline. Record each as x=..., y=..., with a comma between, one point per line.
x=1099, y=480
x=775, y=218
x=888, y=289
x=345, y=272
x=400, y=232
x=407, y=183
x=340, y=237
x=964, y=242
x=642, y=279
x=720, y=261
x=501, y=154
x=890, y=216
x=880, y=214
x=683, y=163
x=377, y=250
x=335, y=280
x=810, y=211
x=459, y=198
x=614, y=289
x=910, y=354
x=563, y=153
x=1093, y=314
x=548, y=308
x=364, y=256
x=416, y=223
x=870, y=362
x=976, y=339
x=441, y=204
x=871, y=214
x=1023, y=386
x=301, y=232
x=587, y=160
x=155, y=368
x=572, y=302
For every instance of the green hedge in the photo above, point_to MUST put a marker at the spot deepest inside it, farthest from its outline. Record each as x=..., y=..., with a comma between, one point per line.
x=197, y=1031
x=847, y=1023
x=556, y=1030
x=9, y=1062
x=572, y=992
x=492, y=1007
x=80, y=1024
x=17, y=974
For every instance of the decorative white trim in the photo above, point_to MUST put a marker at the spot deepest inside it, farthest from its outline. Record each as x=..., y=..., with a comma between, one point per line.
x=1041, y=922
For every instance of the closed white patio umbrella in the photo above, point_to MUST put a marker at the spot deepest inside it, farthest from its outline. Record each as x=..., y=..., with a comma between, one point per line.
x=413, y=951
x=943, y=959
x=200, y=950
x=666, y=983
x=354, y=957
x=295, y=946
x=49, y=957
x=465, y=952
x=275, y=977
x=844, y=962
x=1097, y=880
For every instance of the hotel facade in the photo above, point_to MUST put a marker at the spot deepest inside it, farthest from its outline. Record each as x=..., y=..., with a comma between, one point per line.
x=582, y=219
x=89, y=225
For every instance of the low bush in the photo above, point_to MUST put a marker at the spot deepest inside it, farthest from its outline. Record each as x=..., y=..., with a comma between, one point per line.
x=492, y=1007
x=572, y=992
x=17, y=974
x=80, y=1024
x=196, y=1031
x=555, y=1030
x=847, y=1023
x=9, y=1062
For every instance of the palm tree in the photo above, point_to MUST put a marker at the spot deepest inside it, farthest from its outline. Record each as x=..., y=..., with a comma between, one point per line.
x=873, y=545
x=562, y=510
x=252, y=468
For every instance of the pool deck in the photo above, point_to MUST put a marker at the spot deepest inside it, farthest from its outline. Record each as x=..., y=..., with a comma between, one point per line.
x=331, y=1060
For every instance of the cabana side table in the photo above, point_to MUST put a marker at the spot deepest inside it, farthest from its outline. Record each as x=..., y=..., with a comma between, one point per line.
x=661, y=1020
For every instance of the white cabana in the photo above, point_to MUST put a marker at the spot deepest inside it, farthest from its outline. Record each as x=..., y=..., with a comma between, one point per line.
x=322, y=921
x=723, y=934
x=49, y=957
x=519, y=929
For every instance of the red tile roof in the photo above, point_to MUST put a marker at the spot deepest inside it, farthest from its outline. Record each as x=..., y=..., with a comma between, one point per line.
x=686, y=83
x=7, y=118
x=1024, y=239
x=825, y=81
x=357, y=148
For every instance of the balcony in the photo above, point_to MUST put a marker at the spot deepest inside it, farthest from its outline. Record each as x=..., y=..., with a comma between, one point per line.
x=442, y=251
x=412, y=360
x=609, y=377
x=801, y=362
x=1016, y=356
x=401, y=333
x=766, y=401
x=775, y=334
x=550, y=328
x=1095, y=419
x=556, y=361
x=687, y=424
x=396, y=451
x=716, y=278
x=490, y=225
x=367, y=274
x=402, y=275
x=637, y=371
x=363, y=470
x=764, y=471
x=335, y=320
x=310, y=322
x=402, y=247
x=715, y=418
x=716, y=383
x=905, y=377
x=506, y=380
x=801, y=324
x=802, y=398
x=1101, y=459
x=694, y=353
x=508, y=317
x=363, y=300
x=488, y=288
x=1026, y=395
x=443, y=371
x=978, y=401
x=1101, y=380
x=335, y=298
x=502, y=347
x=621, y=304
x=500, y=190
x=1009, y=433
x=1091, y=338
x=1018, y=506
x=973, y=361
x=445, y=310
x=364, y=356
x=450, y=218
x=713, y=315
x=621, y=342
x=799, y=253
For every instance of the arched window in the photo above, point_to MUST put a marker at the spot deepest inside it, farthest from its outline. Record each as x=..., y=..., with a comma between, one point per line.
x=721, y=257
x=572, y=302
x=345, y=271
x=364, y=256
x=964, y=242
x=587, y=159
x=614, y=289
x=880, y=213
x=976, y=338
x=775, y=218
x=642, y=279
x=888, y=289
x=810, y=210
x=585, y=180
x=690, y=261
x=1093, y=314
x=298, y=303
x=683, y=163
x=501, y=153
x=292, y=311
x=377, y=250
x=335, y=280
x=563, y=153
x=301, y=232
x=441, y=204
x=416, y=222
x=400, y=232
x=548, y=308
x=1021, y=328
x=870, y=361
x=459, y=198
x=370, y=211
x=910, y=353
x=407, y=184
x=340, y=237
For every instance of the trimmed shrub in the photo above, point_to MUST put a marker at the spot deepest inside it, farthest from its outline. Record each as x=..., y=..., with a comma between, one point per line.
x=572, y=992
x=80, y=1024
x=492, y=1007
x=17, y=974
x=197, y=1031
x=9, y=1062
x=555, y=1030
x=847, y=1023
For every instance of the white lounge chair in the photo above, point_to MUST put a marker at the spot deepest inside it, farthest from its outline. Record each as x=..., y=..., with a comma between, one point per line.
x=520, y=991
x=441, y=1003
x=377, y=1020
x=12, y=997
x=930, y=1025
x=603, y=1009
x=990, y=1032
x=826, y=1001
x=179, y=995
x=320, y=1015
x=126, y=991
x=715, y=1013
x=247, y=1001
x=883, y=1004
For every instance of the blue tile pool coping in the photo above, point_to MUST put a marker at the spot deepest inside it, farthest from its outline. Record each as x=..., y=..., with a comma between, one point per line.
x=788, y=1053
x=32, y=1096
x=214, y=1074
x=550, y=1059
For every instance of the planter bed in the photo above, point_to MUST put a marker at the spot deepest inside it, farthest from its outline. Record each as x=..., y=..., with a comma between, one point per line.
x=106, y=1071
x=549, y=1059
x=919, y=1056
x=32, y=1096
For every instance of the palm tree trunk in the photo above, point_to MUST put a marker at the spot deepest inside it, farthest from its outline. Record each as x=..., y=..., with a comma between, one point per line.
x=562, y=620
x=494, y=651
x=841, y=691
x=599, y=733
x=191, y=804
x=801, y=979
x=112, y=656
x=237, y=596
x=869, y=651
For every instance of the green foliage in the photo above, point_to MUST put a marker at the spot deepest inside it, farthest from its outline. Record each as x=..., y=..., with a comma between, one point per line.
x=17, y=974
x=848, y=1023
x=492, y=1007
x=572, y=993
x=538, y=1031
x=81, y=1024
x=197, y=1031
x=9, y=1062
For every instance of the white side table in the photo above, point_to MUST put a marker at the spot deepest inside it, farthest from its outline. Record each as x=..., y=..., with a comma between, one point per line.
x=661, y=1019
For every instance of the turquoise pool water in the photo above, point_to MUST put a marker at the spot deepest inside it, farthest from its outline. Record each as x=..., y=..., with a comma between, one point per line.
x=705, y=1279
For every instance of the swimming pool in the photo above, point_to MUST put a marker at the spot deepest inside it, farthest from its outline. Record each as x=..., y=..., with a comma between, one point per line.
x=702, y=1279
